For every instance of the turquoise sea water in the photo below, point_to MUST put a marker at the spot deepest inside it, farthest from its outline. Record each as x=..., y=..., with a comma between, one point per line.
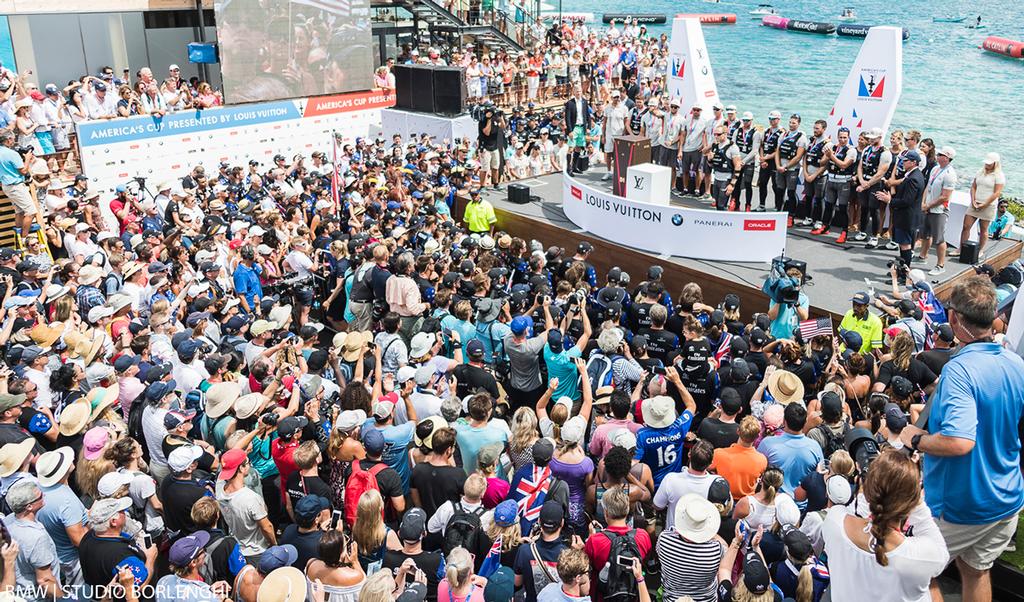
x=953, y=91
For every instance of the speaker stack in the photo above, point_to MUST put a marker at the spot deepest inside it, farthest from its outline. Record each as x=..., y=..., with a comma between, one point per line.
x=430, y=89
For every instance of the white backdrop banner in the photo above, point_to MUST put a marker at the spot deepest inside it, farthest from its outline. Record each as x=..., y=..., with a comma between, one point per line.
x=869, y=96
x=158, y=148
x=694, y=233
x=690, y=77
x=407, y=123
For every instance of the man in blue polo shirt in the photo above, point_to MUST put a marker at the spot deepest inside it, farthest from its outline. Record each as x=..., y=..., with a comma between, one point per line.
x=247, y=280
x=792, y=451
x=972, y=477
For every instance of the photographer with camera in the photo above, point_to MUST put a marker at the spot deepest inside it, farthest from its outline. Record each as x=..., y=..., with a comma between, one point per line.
x=15, y=166
x=789, y=306
x=491, y=130
x=971, y=448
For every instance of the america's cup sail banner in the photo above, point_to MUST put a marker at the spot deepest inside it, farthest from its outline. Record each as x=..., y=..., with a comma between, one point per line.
x=690, y=77
x=868, y=98
x=696, y=233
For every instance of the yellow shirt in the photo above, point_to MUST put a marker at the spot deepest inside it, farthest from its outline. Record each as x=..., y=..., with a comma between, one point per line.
x=479, y=216
x=869, y=329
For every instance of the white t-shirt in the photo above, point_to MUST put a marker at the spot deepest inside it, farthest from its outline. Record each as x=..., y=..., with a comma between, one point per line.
x=693, y=128
x=154, y=430
x=856, y=575
x=299, y=262
x=939, y=180
x=616, y=116
x=675, y=485
x=519, y=165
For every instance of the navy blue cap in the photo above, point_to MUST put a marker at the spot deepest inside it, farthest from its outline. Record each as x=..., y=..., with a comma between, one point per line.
x=373, y=441
x=309, y=506
x=555, y=340
x=912, y=155
x=235, y=323
x=861, y=298
x=125, y=361
x=160, y=389
x=276, y=557
x=475, y=348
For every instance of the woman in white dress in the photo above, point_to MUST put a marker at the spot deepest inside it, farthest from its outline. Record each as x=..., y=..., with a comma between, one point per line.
x=986, y=188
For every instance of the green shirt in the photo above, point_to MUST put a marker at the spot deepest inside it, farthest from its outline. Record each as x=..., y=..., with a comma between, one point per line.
x=869, y=329
x=479, y=216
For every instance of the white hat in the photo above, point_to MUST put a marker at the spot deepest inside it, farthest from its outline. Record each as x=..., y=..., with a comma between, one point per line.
x=696, y=518
x=659, y=411
x=112, y=481
x=53, y=465
x=652, y=102
x=431, y=245
x=574, y=429
x=99, y=312
x=261, y=326
x=748, y=116
x=55, y=291
x=257, y=231
x=838, y=489
x=774, y=115
x=339, y=340
x=263, y=249
x=623, y=438
x=786, y=510
x=280, y=314
x=991, y=158
x=616, y=94
x=197, y=289
x=89, y=274
x=421, y=344
x=247, y=405
x=81, y=227
x=948, y=151
x=324, y=204
x=405, y=374
x=730, y=109
x=183, y=456
x=135, y=240
x=349, y=419
x=873, y=133
x=172, y=67
x=102, y=236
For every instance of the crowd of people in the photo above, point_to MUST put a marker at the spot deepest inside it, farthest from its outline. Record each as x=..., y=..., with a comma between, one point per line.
x=289, y=388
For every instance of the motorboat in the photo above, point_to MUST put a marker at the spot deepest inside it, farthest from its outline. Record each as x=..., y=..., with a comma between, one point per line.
x=949, y=19
x=848, y=14
x=763, y=10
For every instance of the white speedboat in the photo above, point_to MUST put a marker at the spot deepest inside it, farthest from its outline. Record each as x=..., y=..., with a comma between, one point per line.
x=848, y=14
x=763, y=10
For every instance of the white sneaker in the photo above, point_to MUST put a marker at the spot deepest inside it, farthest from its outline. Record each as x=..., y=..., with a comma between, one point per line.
x=918, y=259
x=606, y=177
x=937, y=270
x=872, y=243
x=806, y=221
x=817, y=226
x=891, y=246
x=860, y=236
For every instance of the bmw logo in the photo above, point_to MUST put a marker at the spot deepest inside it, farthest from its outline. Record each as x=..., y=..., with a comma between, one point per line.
x=677, y=220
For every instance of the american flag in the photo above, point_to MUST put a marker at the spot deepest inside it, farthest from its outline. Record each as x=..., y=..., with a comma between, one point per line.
x=493, y=560
x=813, y=328
x=531, y=489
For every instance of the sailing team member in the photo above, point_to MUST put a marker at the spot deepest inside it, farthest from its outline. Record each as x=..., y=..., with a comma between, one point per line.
x=704, y=177
x=769, y=144
x=694, y=138
x=731, y=120
x=726, y=167
x=893, y=177
x=791, y=149
x=874, y=162
x=814, y=175
x=841, y=165
x=672, y=137
x=748, y=141
x=652, y=126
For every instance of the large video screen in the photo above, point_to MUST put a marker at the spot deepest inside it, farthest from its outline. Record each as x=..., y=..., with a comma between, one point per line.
x=274, y=49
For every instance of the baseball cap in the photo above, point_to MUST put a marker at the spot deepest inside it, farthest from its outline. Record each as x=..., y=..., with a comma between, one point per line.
x=945, y=332
x=475, y=348
x=774, y=115
x=506, y=513
x=555, y=340
x=758, y=337
x=230, y=462
x=373, y=441
x=404, y=374
x=186, y=549
x=798, y=545
x=309, y=506
x=287, y=427
x=901, y=387
x=385, y=406
x=413, y=526
x=112, y=481
x=542, y=451
x=719, y=492
x=551, y=515
x=106, y=509
x=860, y=298
x=991, y=158
x=520, y=325
x=838, y=489
x=895, y=419
x=276, y=557
x=948, y=151
x=183, y=456
x=175, y=418
x=912, y=155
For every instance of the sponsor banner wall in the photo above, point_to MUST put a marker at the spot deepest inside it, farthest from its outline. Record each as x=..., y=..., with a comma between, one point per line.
x=157, y=148
x=690, y=77
x=872, y=90
x=694, y=233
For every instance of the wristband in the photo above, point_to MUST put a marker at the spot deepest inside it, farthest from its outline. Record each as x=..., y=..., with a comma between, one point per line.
x=640, y=580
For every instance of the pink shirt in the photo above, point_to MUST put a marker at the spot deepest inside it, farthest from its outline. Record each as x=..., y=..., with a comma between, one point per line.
x=476, y=594
x=600, y=445
x=496, y=492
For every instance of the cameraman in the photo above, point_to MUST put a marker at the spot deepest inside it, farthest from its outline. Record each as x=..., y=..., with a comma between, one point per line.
x=785, y=314
x=14, y=167
x=491, y=131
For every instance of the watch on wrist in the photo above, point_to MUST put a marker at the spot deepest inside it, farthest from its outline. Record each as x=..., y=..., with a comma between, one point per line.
x=915, y=441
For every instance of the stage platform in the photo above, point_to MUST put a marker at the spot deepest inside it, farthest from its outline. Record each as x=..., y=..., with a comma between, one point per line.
x=836, y=271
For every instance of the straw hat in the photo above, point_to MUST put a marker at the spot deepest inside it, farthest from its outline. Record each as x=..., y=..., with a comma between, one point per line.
x=247, y=405
x=89, y=274
x=52, y=466
x=353, y=343
x=280, y=314
x=46, y=335
x=220, y=397
x=286, y=584
x=785, y=387
x=87, y=348
x=101, y=398
x=13, y=455
x=74, y=417
x=696, y=518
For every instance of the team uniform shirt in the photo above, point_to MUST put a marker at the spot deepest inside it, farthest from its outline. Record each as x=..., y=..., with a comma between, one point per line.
x=662, y=448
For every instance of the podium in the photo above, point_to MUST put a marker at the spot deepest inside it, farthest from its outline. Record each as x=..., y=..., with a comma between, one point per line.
x=629, y=151
x=649, y=183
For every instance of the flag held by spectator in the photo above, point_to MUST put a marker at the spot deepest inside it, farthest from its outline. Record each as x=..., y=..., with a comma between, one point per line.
x=814, y=328
x=493, y=560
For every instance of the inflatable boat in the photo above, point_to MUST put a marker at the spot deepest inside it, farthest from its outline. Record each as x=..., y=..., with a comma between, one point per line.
x=811, y=26
x=949, y=19
x=774, y=21
x=641, y=18
x=1003, y=46
x=852, y=30
x=710, y=18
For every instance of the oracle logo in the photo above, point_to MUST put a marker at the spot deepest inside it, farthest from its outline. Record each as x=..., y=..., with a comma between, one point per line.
x=759, y=225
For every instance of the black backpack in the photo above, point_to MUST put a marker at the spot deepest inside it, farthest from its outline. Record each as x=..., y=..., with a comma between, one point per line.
x=463, y=529
x=833, y=442
x=615, y=580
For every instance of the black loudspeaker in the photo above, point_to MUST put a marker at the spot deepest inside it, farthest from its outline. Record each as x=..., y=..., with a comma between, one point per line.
x=790, y=262
x=403, y=86
x=449, y=90
x=969, y=253
x=518, y=193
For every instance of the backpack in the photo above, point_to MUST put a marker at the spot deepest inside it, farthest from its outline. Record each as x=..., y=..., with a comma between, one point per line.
x=833, y=442
x=207, y=571
x=463, y=529
x=599, y=369
x=360, y=481
x=615, y=581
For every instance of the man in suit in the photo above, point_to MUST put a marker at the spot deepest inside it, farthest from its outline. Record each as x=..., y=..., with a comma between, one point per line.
x=905, y=201
x=577, y=112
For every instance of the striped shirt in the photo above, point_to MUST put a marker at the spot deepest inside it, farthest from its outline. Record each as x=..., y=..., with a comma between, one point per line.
x=688, y=568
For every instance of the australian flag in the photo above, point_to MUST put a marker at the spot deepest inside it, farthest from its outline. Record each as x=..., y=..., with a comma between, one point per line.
x=493, y=560
x=534, y=491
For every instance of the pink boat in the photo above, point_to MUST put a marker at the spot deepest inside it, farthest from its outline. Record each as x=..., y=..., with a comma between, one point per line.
x=774, y=21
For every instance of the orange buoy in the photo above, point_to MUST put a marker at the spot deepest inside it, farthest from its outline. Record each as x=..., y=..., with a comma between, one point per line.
x=710, y=18
x=1003, y=46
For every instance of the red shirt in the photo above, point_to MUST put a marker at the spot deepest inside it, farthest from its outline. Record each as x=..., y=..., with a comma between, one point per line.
x=598, y=547
x=284, y=458
x=117, y=205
